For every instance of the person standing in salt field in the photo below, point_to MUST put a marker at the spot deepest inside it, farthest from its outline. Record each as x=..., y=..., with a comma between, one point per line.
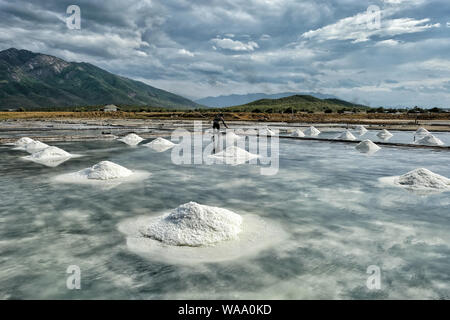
x=216, y=128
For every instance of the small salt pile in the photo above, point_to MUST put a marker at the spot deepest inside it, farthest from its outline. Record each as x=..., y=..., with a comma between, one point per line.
x=312, y=131
x=298, y=133
x=430, y=140
x=367, y=146
x=266, y=132
x=421, y=181
x=422, y=132
x=234, y=155
x=50, y=153
x=346, y=135
x=131, y=139
x=361, y=130
x=195, y=225
x=385, y=135
x=231, y=137
x=23, y=142
x=105, y=170
x=50, y=157
x=160, y=144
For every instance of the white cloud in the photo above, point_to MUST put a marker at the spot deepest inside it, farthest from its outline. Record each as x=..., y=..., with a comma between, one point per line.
x=387, y=43
x=359, y=28
x=185, y=52
x=235, y=45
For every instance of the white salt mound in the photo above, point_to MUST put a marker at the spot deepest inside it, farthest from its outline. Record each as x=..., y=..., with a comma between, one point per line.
x=131, y=139
x=384, y=134
x=234, y=155
x=105, y=170
x=266, y=132
x=430, y=140
x=423, y=179
x=50, y=153
x=422, y=132
x=312, y=131
x=361, y=130
x=231, y=137
x=160, y=144
x=195, y=225
x=346, y=135
x=23, y=141
x=34, y=146
x=298, y=133
x=367, y=146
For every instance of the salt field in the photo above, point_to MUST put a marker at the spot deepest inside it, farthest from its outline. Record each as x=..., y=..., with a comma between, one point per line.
x=308, y=232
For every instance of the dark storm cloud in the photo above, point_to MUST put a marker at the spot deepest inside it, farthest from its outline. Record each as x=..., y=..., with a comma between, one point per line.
x=211, y=47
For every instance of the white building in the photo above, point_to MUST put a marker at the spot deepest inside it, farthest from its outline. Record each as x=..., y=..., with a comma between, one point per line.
x=110, y=108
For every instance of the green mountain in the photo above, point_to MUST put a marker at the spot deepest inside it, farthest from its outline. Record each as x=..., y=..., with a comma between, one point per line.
x=34, y=80
x=298, y=103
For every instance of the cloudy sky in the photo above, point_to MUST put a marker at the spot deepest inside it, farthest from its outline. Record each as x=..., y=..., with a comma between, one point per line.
x=201, y=48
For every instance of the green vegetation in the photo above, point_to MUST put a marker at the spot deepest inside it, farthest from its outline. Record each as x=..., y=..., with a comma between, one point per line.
x=297, y=103
x=32, y=80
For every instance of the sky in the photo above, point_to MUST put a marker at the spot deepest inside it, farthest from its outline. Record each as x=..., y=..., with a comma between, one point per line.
x=202, y=48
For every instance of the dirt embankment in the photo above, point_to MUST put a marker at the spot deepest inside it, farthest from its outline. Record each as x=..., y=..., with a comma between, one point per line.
x=360, y=118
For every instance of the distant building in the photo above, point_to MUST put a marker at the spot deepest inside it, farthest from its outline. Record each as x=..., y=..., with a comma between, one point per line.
x=110, y=108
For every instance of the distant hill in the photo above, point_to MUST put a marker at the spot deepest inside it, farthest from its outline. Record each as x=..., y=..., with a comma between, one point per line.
x=298, y=103
x=34, y=80
x=236, y=99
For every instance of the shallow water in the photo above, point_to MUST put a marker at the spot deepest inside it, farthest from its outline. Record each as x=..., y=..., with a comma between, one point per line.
x=327, y=198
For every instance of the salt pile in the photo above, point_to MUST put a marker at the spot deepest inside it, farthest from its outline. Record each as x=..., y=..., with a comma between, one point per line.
x=298, y=133
x=311, y=131
x=420, y=180
x=231, y=138
x=23, y=142
x=385, y=135
x=31, y=146
x=346, y=135
x=50, y=153
x=51, y=156
x=422, y=132
x=195, y=233
x=104, y=172
x=367, y=146
x=195, y=225
x=266, y=132
x=361, y=130
x=131, y=139
x=234, y=155
x=430, y=140
x=160, y=144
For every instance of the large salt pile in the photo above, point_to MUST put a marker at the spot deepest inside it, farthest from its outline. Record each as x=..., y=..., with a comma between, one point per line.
x=195, y=225
x=311, y=131
x=430, y=140
x=234, y=155
x=131, y=139
x=420, y=180
x=298, y=133
x=160, y=144
x=346, y=135
x=384, y=134
x=361, y=130
x=367, y=146
x=51, y=156
x=31, y=146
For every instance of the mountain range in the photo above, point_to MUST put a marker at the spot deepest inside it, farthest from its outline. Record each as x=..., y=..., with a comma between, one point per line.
x=35, y=80
x=241, y=99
